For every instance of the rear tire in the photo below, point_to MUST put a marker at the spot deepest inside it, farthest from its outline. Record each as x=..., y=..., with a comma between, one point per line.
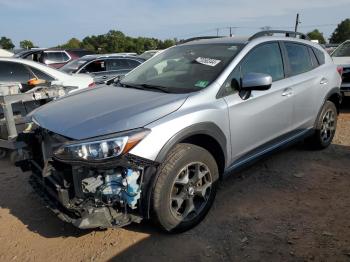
x=185, y=188
x=325, y=127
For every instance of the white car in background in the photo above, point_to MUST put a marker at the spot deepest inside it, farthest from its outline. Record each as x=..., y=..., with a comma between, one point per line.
x=30, y=74
x=5, y=53
x=341, y=57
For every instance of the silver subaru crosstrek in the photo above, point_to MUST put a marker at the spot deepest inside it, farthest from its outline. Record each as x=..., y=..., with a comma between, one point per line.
x=155, y=143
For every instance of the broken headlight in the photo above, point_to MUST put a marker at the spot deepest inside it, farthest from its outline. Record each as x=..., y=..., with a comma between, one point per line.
x=102, y=148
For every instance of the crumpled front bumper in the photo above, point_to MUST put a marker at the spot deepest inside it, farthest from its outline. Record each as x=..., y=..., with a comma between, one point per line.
x=59, y=184
x=92, y=217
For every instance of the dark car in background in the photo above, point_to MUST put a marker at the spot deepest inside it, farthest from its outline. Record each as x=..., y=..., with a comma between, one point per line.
x=103, y=67
x=52, y=57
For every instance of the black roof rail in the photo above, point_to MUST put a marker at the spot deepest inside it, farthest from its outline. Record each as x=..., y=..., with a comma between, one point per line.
x=286, y=33
x=197, y=38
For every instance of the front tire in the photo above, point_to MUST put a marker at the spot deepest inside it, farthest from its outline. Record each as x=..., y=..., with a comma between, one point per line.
x=185, y=189
x=325, y=126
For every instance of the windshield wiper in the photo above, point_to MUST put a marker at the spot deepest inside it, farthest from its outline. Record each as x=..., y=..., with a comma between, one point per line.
x=146, y=87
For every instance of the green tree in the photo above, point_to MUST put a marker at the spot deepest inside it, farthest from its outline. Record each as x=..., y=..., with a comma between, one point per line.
x=73, y=43
x=27, y=44
x=116, y=41
x=341, y=33
x=317, y=35
x=167, y=43
x=6, y=43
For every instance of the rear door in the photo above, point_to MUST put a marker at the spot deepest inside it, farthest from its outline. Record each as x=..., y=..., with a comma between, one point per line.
x=117, y=66
x=307, y=83
x=266, y=115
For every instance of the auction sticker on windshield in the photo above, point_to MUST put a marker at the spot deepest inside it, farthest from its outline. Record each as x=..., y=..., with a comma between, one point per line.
x=207, y=61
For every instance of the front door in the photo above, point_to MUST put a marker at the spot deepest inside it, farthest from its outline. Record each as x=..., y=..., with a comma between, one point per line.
x=265, y=115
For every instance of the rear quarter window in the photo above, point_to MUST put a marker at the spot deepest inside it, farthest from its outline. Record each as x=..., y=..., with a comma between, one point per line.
x=320, y=56
x=314, y=60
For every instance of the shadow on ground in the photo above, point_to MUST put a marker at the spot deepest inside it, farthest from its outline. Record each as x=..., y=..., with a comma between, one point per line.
x=293, y=206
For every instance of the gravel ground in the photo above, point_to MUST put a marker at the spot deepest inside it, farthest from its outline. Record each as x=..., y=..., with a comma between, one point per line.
x=292, y=206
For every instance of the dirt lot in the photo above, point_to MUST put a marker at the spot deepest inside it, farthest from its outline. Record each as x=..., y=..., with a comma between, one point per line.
x=292, y=206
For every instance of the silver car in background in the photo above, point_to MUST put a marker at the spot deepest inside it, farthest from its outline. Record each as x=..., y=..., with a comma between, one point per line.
x=103, y=67
x=155, y=144
x=341, y=57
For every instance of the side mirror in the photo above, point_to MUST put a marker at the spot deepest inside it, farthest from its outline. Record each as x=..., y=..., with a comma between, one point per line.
x=254, y=81
x=35, y=81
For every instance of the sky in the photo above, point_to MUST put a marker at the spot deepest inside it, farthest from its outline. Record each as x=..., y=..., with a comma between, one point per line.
x=50, y=22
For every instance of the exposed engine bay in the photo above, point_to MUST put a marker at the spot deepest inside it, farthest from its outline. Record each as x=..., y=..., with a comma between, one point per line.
x=88, y=195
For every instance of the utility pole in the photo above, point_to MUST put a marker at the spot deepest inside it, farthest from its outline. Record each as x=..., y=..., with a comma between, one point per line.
x=230, y=31
x=297, y=22
x=217, y=31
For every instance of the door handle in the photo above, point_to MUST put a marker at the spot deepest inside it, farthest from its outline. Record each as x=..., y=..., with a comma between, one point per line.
x=287, y=92
x=324, y=81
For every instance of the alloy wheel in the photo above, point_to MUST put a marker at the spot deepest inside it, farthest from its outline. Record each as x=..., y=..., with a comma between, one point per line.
x=328, y=126
x=190, y=191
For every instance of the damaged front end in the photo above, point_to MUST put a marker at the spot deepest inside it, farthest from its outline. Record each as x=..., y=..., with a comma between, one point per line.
x=96, y=189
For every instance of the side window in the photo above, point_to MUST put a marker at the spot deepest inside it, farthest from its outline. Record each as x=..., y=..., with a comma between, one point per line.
x=266, y=59
x=14, y=72
x=313, y=58
x=5, y=72
x=299, y=58
x=95, y=66
x=41, y=75
x=65, y=57
x=56, y=57
x=133, y=63
x=117, y=64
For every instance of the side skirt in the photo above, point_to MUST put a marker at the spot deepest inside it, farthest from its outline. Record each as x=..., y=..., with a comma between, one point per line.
x=267, y=149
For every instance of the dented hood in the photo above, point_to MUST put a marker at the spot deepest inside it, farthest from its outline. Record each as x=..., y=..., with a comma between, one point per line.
x=105, y=110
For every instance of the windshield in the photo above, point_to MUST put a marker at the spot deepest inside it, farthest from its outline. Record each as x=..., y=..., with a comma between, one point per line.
x=183, y=69
x=73, y=66
x=342, y=50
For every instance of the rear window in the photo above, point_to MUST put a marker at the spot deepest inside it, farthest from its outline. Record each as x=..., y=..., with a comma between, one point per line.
x=343, y=50
x=73, y=65
x=56, y=57
x=299, y=58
